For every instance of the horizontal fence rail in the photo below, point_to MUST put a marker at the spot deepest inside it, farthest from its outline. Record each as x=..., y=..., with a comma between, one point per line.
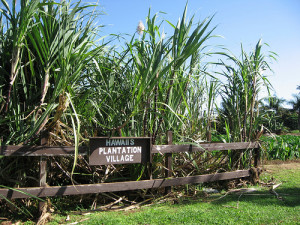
x=118, y=186
x=203, y=147
x=12, y=150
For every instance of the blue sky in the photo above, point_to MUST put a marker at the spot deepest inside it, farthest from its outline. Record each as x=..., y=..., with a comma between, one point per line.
x=276, y=22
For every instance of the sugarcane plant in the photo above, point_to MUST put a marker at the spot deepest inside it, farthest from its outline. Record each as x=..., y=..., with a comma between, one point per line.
x=155, y=84
x=244, y=81
x=58, y=81
x=45, y=47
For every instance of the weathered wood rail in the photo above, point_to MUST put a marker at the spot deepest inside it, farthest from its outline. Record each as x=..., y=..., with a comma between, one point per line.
x=118, y=186
x=13, y=150
x=44, y=151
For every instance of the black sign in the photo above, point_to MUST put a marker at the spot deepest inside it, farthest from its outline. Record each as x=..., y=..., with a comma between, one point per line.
x=119, y=150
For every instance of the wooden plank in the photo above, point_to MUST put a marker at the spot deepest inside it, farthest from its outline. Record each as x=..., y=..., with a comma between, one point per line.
x=119, y=186
x=13, y=150
x=163, y=149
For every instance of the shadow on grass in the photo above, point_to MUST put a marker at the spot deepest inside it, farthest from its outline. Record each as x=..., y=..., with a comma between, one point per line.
x=289, y=197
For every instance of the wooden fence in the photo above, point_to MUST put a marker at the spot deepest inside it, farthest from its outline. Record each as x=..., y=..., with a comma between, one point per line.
x=168, y=181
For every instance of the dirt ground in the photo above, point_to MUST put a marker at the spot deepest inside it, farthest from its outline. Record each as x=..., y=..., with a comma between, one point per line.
x=275, y=165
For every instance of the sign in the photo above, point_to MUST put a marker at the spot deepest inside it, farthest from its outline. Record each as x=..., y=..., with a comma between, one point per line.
x=119, y=150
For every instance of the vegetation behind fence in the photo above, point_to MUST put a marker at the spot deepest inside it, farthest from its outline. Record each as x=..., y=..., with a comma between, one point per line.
x=283, y=147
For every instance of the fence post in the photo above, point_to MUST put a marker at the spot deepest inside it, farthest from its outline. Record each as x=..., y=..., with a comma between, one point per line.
x=168, y=161
x=257, y=157
x=43, y=172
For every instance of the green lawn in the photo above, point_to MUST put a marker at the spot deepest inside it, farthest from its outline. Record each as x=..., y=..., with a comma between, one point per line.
x=259, y=207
